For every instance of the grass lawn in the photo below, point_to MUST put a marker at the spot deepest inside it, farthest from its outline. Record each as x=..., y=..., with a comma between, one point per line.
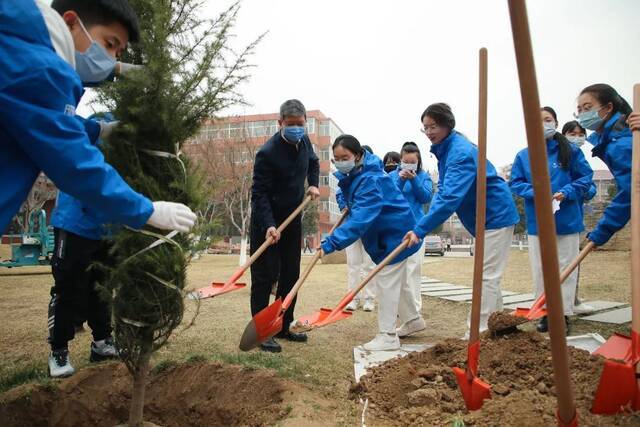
x=324, y=364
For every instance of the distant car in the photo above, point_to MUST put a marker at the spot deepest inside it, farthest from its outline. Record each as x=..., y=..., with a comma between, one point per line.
x=433, y=245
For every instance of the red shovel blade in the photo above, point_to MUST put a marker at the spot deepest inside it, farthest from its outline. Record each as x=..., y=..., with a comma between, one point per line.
x=529, y=313
x=474, y=390
x=617, y=347
x=217, y=288
x=264, y=325
x=618, y=389
x=317, y=320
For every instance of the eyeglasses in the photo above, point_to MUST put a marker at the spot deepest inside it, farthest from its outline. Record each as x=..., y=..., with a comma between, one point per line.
x=429, y=128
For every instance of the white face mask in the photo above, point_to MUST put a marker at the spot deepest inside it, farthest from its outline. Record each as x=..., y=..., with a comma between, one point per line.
x=409, y=166
x=345, y=166
x=549, y=130
x=578, y=140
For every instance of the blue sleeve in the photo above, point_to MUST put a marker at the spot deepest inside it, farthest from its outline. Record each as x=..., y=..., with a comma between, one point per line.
x=92, y=127
x=617, y=214
x=38, y=111
x=340, y=199
x=518, y=183
x=422, y=187
x=262, y=186
x=458, y=179
x=581, y=178
x=593, y=190
x=367, y=204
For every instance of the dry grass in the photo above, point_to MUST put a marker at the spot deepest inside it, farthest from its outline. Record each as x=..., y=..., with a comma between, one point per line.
x=604, y=275
x=325, y=364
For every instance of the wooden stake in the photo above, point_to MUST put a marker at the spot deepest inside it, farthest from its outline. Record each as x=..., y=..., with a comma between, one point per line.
x=544, y=214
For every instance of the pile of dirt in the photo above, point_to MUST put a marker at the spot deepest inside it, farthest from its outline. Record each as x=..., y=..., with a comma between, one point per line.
x=421, y=389
x=194, y=394
x=501, y=322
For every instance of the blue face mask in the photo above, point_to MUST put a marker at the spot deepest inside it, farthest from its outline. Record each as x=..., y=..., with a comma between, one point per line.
x=95, y=65
x=293, y=134
x=549, y=130
x=345, y=166
x=590, y=119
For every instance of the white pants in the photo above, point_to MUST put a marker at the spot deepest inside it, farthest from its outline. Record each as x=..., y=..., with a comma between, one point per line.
x=359, y=265
x=394, y=291
x=497, y=244
x=414, y=267
x=568, y=249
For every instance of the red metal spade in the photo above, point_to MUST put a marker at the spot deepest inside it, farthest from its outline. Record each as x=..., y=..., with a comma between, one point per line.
x=218, y=288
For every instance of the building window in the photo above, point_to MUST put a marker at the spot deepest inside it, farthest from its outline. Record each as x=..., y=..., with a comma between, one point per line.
x=325, y=154
x=311, y=125
x=323, y=129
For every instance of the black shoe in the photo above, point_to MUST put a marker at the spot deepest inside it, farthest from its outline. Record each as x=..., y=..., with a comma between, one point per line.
x=271, y=346
x=292, y=336
x=543, y=325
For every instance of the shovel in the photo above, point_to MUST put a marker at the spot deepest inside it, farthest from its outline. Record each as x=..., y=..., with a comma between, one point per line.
x=219, y=288
x=327, y=316
x=537, y=310
x=566, y=414
x=619, y=389
x=474, y=390
x=268, y=322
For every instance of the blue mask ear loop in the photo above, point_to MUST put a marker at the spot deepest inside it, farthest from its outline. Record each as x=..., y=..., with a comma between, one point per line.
x=86, y=33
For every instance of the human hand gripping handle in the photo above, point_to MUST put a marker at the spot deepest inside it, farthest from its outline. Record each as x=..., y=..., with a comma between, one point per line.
x=172, y=216
x=313, y=192
x=273, y=233
x=411, y=238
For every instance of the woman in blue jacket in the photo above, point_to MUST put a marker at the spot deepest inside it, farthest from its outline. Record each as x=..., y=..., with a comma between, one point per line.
x=571, y=177
x=380, y=216
x=577, y=135
x=416, y=186
x=457, y=169
x=602, y=110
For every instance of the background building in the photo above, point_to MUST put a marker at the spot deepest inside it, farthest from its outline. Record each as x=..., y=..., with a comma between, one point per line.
x=252, y=131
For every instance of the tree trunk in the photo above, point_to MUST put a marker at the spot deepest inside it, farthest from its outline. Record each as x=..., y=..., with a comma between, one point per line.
x=243, y=249
x=136, y=412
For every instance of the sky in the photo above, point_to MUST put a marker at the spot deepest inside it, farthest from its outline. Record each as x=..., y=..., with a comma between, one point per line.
x=374, y=66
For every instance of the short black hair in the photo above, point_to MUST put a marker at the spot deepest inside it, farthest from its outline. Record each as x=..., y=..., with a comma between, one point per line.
x=392, y=156
x=606, y=94
x=441, y=114
x=369, y=149
x=569, y=126
x=102, y=12
x=551, y=111
x=350, y=143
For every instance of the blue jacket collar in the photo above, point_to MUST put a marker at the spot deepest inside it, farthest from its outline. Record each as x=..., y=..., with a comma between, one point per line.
x=552, y=145
x=439, y=150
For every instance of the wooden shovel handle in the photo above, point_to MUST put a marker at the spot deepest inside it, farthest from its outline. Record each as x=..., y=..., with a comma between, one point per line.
x=401, y=247
x=635, y=220
x=292, y=293
x=576, y=262
x=481, y=200
x=544, y=215
x=269, y=241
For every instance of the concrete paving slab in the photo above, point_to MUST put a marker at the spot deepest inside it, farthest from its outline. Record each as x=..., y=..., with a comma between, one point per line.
x=523, y=304
x=589, y=342
x=440, y=294
x=443, y=288
x=518, y=298
x=467, y=298
x=617, y=317
x=427, y=280
x=602, y=305
x=363, y=359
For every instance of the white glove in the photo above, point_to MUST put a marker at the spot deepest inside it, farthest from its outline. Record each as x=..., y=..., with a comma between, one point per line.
x=124, y=68
x=106, y=128
x=172, y=216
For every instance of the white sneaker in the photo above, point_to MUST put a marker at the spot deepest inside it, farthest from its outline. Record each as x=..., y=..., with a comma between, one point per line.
x=352, y=306
x=411, y=327
x=383, y=342
x=59, y=365
x=103, y=350
x=368, y=305
x=583, y=308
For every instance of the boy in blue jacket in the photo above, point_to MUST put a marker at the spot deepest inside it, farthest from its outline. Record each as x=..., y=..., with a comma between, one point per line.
x=457, y=168
x=379, y=216
x=40, y=50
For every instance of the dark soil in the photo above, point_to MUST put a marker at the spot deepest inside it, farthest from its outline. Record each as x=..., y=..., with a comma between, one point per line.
x=501, y=322
x=191, y=394
x=421, y=389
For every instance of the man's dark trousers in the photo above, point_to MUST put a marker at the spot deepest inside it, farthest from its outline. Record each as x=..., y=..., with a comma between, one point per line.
x=279, y=263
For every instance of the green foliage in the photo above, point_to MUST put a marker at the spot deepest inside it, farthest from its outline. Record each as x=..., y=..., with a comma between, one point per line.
x=190, y=74
x=310, y=219
x=521, y=226
x=19, y=376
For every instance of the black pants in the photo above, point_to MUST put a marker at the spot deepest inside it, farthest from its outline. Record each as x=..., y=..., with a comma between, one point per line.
x=279, y=263
x=74, y=295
